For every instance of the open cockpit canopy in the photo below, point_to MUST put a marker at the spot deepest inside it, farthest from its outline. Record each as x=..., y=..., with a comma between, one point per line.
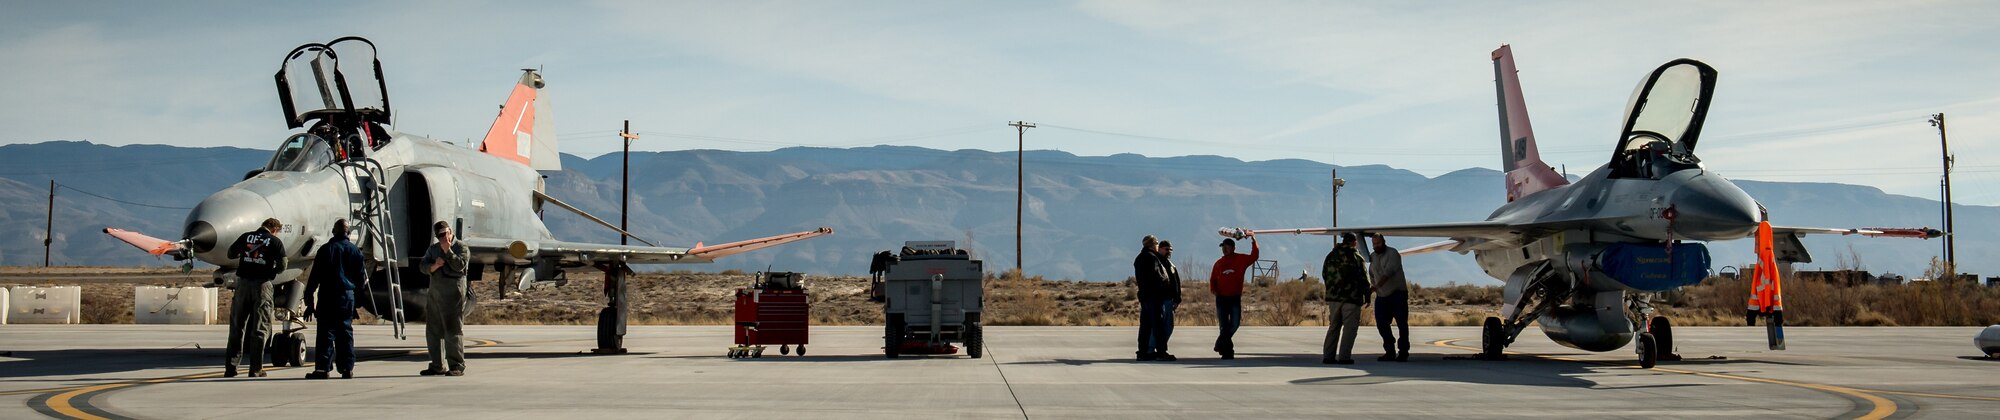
x=313, y=84
x=1663, y=121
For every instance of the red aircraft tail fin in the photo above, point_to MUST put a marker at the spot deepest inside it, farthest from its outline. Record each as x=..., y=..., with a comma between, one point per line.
x=515, y=135
x=1519, y=157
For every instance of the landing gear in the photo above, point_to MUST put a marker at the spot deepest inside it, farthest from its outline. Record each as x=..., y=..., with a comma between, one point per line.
x=1663, y=334
x=1649, y=351
x=611, y=320
x=1492, y=339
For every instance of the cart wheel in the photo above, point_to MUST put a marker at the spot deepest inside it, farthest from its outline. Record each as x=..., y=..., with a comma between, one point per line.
x=732, y=353
x=757, y=353
x=802, y=350
x=892, y=337
x=975, y=341
x=784, y=349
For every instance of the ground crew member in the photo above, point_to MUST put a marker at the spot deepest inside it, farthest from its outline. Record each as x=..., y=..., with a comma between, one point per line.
x=1346, y=293
x=1151, y=277
x=1226, y=282
x=444, y=324
x=260, y=256
x=1173, y=301
x=1392, y=299
x=336, y=275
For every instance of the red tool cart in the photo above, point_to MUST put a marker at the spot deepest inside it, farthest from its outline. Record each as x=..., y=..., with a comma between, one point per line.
x=775, y=310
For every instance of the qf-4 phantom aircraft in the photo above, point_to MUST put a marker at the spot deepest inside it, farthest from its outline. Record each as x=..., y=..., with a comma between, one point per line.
x=1583, y=258
x=393, y=186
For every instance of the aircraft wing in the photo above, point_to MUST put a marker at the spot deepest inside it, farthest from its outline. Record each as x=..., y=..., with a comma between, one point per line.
x=1463, y=236
x=1918, y=233
x=494, y=250
x=1461, y=230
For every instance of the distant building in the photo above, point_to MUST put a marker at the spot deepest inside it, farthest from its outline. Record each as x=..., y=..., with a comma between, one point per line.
x=1842, y=277
x=1993, y=282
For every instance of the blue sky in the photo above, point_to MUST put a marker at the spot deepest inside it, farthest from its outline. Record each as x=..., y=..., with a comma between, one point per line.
x=1809, y=91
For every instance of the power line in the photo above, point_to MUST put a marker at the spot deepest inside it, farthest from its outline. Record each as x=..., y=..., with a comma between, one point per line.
x=121, y=201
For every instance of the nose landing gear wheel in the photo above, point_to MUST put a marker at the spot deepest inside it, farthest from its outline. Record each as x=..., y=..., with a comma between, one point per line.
x=1663, y=332
x=1649, y=355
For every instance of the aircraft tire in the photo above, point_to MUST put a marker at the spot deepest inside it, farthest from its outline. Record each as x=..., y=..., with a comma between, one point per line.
x=1649, y=355
x=1490, y=338
x=1663, y=331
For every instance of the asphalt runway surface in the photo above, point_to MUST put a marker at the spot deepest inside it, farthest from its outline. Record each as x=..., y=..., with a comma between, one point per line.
x=155, y=371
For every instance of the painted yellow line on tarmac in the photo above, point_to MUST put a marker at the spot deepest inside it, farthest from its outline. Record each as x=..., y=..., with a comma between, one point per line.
x=60, y=403
x=1883, y=407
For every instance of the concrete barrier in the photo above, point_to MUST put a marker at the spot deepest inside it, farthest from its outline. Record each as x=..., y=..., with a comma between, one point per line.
x=3, y=306
x=45, y=305
x=174, y=305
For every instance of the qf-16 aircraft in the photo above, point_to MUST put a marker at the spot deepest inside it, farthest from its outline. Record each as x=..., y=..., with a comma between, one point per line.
x=1584, y=258
x=393, y=186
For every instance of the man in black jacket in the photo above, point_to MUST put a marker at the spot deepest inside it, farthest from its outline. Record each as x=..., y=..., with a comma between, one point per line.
x=1151, y=277
x=336, y=275
x=259, y=256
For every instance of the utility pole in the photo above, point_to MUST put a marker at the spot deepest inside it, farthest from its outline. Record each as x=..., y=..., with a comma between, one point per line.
x=625, y=182
x=49, y=230
x=1950, y=248
x=1337, y=183
x=1020, y=185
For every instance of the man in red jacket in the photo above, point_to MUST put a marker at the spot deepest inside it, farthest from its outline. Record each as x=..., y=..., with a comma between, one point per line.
x=1226, y=282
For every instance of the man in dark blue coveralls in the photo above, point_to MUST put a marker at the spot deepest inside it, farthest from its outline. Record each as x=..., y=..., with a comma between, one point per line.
x=336, y=275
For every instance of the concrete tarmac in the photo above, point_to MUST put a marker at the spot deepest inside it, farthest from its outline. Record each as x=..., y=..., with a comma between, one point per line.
x=153, y=371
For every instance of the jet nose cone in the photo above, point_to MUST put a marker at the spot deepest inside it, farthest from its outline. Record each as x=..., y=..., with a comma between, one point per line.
x=221, y=217
x=1711, y=208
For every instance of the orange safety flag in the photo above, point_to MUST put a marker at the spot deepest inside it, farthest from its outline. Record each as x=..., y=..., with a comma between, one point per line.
x=1766, y=292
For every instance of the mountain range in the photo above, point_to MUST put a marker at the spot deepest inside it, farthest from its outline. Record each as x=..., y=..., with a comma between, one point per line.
x=1083, y=217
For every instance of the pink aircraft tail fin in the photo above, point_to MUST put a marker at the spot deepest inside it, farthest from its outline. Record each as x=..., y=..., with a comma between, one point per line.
x=517, y=135
x=1519, y=157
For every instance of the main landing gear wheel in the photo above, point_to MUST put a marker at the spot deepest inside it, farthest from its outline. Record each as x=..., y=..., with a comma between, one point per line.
x=1492, y=339
x=1663, y=331
x=1649, y=351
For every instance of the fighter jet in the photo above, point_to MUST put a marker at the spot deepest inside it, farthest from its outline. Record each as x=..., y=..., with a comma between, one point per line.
x=393, y=186
x=1583, y=258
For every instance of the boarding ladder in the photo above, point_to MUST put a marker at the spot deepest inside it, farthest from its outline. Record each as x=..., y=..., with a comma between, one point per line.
x=369, y=210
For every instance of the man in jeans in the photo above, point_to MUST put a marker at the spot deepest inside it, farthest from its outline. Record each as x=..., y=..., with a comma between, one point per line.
x=1165, y=332
x=1346, y=293
x=1226, y=282
x=1392, y=299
